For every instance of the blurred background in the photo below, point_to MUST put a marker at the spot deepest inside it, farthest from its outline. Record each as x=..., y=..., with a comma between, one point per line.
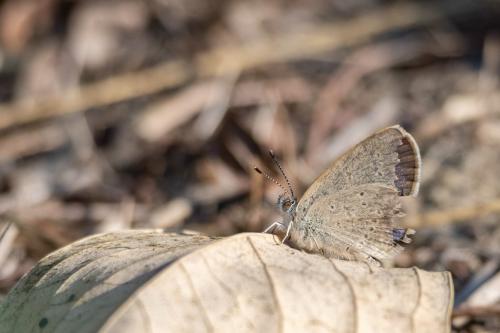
x=152, y=114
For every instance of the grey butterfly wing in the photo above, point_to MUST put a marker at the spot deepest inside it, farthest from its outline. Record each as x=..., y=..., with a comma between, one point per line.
x=390, y=157
x=384, y=166
x=354, y=223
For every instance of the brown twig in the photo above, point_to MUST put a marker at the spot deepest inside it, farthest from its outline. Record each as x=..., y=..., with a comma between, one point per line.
x=458, y=110
x=5, y=229
x=477, y=311
x=441, y=217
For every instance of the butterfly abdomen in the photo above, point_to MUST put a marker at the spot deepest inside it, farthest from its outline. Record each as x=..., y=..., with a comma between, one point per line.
x=309, y=240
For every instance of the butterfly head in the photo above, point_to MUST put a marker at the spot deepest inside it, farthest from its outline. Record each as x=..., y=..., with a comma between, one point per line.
x=287, y=204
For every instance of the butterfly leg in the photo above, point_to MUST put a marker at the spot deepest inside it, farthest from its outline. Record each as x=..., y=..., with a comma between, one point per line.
x=370, y=261
x=317, y=246
x=287, y=235
x=274, y=226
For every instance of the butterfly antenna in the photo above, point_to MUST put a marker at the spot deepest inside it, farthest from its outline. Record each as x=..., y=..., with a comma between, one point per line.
x=270, y=178
x=275, y=160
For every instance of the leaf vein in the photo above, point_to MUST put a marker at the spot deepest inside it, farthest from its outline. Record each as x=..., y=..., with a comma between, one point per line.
x=353, y=294
x=204, y=313
x=271, y=286
x=417, y=304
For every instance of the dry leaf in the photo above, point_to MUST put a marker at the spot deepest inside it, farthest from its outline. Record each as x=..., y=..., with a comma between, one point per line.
x=77, y=288
x=143, y=281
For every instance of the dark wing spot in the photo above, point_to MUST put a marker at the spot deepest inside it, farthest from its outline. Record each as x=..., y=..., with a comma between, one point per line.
x=43, y=322
x=398, y=234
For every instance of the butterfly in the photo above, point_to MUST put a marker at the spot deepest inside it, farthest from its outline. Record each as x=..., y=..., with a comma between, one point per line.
x=349, y=210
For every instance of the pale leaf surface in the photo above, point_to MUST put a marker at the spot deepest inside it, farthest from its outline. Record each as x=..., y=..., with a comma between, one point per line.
x=148, y=281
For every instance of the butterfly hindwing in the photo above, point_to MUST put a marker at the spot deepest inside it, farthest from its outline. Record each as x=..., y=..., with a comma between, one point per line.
x=354, y=222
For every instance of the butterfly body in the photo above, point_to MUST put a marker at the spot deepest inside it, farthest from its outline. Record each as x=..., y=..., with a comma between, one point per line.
x=349, y=211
